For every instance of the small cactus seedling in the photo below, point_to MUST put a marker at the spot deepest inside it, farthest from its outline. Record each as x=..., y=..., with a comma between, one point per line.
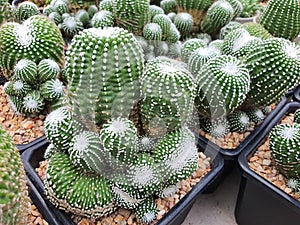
x=102, y=19
x=284, y=146
x=14, y=201
x=189, y=46
x=184, y=23
x=255, y=115
x=285, y=22
x=238, y=121
x=168, y=5
x=232, y=25
x=71, y=26
x=217, y=128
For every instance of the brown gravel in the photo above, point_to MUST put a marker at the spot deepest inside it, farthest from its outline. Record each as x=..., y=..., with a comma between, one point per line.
x=124, y=216
x=22, y=129
x=262, y=163
x=35, y=217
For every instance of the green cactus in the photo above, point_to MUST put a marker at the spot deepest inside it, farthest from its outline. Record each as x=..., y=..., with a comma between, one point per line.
x=217, y=128
x=297, y=116
x=55, y=17
x=189, y=46
x=25, y=10
x=102, y=19
x=251, y=8
x=173, y=35
x=26, y=70
x=83, y=16
x=52, y=89
x=257, y=30
x=48, y=9
x=37, y=38
x=216, y=46
x=132, y=15
x=168, y=5
x=172, y=16
x=106, y=5
x=239, y=121
x=237, y=7
x=152, y=31
x=269, y=85
x=33, y=102
x=232, y=25
x=285, y=23
x=7, y=11
x=223, y=83
x=155, y=10
x=284, y=146
x=164, y=22
x=255, y=115
x=60, y=6
x=18, y=88
x=47, y=69
x=71, y=26
x=175, y=50
x=147, y=211
x=106, y=85
x=168, y=92
x=92, y=10
x=218, y=15
x=14, y=200
x=206, y=38
x=16, y=104
x=184, y=23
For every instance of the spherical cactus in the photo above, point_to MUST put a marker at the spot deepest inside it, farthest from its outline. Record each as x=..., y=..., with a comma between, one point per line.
x=19, y=88
x=146, y=211
x=83, y=16
x=175, y=50
x=238, y=121
x=257, y=30
x=168, y=92
x=7, y=11
x=61, y=127
x=199, y=57
x=216, y=46
x=255, y=115
x=33, y=102
x=37, y=38
x=103, y=68
x=168, y=5
x=173, y=35
x=26, y=70
x=61, y=6
x=184, y=23
x=285, y=149
x=52, y=89
x=152, y=31
x=189, y=46
x=218, y=15
x=161, y=48
x=102, y=19
x=297, y=116
x=15, y=202
x=47, y=69
x=16, y=104
x=106, y=5
x=48, y=9
x=232, y=25
x=164, y=22
x=217, y=128
x=92, y=10
x=71, y=26
x=223, y=83
x=155, y=10
x=285, y=22
x=132, y=15
x=271, y=79
x=55, y=17
x=205, y=37
x=69, y=189
x=237, y=7
x=25, y=10
x=172, y=16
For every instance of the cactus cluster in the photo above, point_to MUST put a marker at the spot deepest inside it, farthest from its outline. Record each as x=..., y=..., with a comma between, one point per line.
x=14, y=203
x=25, y=10
x=35, y=39
x=33, y=86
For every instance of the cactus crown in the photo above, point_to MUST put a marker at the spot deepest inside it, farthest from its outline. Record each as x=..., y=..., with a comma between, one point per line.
x=25, y=10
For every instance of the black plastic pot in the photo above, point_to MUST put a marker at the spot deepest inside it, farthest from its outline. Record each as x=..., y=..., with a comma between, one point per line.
x=2, y=80
x=296, y=96
x=33, y=155
x=23, y=147
x=259, y=201
x=230, y=156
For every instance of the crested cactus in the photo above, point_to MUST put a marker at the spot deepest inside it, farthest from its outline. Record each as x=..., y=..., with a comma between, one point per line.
x=257, y=30
x=297, y=116
x=223, y=83
x=189, y=46
x=184, y=23
x=110, y=73
x=132, y=15
x=269, y=85
x=35, y=39
x=14, y=203
x=238, y=121
x=25, y=10
x=285, y=23
x=218, y=15
x=284, y=146
x=102, y=19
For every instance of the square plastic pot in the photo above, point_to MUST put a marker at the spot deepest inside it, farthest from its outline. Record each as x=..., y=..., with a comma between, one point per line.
x=296, y=96
x=23, y=147
x=259, y=201
x=33, y=155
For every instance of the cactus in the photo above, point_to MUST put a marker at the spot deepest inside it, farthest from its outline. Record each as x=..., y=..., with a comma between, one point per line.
x=232, y=25
x=189, y=47
x=71, y=26
x=19, y=88
x=152, y=31
x=102, y=19
x=284, y=146
x=55, y=17
x=52, y=89
x=168, y=92
x=112, y=93
x=175, y=50
x=132, y=15
x=217, y=128
x=269, y=85
x=83, y=16
x=223, y=83
x=48, y=9
x=47, y=69
x=206, y=38
x=164, y=22
x=60, y=6
x=173, y=34
x=92, y=10
x=25, y=10
x=172, y=16
x=285, y=23
x=218, y=15
x=155, y=10
x=14, y=203
x=7, y=11
x=106, y=5
x=237, y=7
x=168, y=5
x=239, y=121
x=216, y=46
x=297, y=116
x=37, y=38
x=257, y=30
x=251, y=8
x=255, y=115
x=146, y=211
x=33, y=102
x=184, y=23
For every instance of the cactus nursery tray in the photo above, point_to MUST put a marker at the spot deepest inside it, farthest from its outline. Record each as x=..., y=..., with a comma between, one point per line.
x=33, y=155
x=260, y=201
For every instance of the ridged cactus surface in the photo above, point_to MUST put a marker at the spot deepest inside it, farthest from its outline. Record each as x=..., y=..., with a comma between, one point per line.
x=282, y=18
x=14, y=201
x=25, y=10
x=35, y=39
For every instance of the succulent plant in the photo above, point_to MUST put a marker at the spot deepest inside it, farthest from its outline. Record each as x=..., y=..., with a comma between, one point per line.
x=14, y=203
x=232, y=25
x=184, y=23
x=255, y=115
x=239, y=121
x=83, y=16
x=132, y=15
x=55, y=17
x=7, y=11
x=251, y=8
x=102, y=19
x=216, y=45
x=164, y=22
x=215, y=127
x=92, y=10
x=147, y=211
x=269, y=85
x=218, y=15
x=48, y=9
x=47, y=69
x=52, y=89
x=284, y=146
x=60, y=6
x=26, y=70
x=257, y=30
x=33, y=102
x=237, y=7
x=206, y=38
x=168, y=5
x=175, y=50
x=223, y=83
x=71, y=26
x=106, y=5
x=155, y=10
x=112, y=93
x=37, y=38
x=297, y=116
x=173, y=35
x=152, y=31
x=25, y=10
x=168, y=93
x=285, y=23
x=189, y=46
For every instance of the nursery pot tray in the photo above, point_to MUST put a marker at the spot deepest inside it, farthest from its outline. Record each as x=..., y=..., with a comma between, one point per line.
x=259, y=201
x=23, y=147
x=230, y=156
x=33, y=155
x=296, y=96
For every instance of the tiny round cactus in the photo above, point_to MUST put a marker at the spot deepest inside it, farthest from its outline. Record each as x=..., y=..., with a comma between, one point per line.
x=223, y=83
x=216, y=46
x=238, y=121
x=232, y=25
x=285, y=23
x=284, y=146
x=184, y=23
x=26, y=70
x=152, y=31
x=47, y=69
x=173, y=35
x=61, y=6
x=106, y=5
x=19, y=88
x=55, y=17
x=164, y=22
x=92, y=10
x=25, y=10
x=217, y=128
x=155, y=10
x=83, y=16
x=297, y=116
x=16, y=104
x=52, y=89
x=71, y=26
x=102, y=19
x=168, y=5
x=48, y=9
x=255, y=115
x=33, y=102
x=189, y=46
x=237, y=7
x=218, y=15
x=147, y=210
